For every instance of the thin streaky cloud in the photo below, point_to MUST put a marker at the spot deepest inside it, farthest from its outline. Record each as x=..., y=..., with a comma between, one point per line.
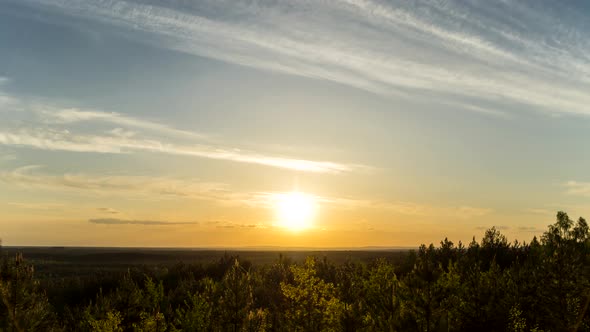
x=55, y=115
x=116, y=221
x=36, y=206
x=157, y=187
x=425, y=210
x=64, y=140
x=386, y=48
x=531, y=229
x=7, y=157
x=578, y=188
x=539, y=211
x=229, y=225
x=480, y=109
x=55, y=132
x=52, y=114
x=6, y=102
x=395, y=16
x=74, y=115
x=136, y=186
x=500, y=228
x=55, y=140
x=108, y=210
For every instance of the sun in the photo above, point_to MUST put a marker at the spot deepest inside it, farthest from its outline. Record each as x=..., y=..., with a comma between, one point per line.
x=295, y=210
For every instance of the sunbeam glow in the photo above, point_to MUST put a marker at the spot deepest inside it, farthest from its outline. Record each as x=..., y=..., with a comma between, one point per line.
x=295, y=210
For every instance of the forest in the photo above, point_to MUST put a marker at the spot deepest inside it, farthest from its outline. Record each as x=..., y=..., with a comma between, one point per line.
x=490, y=284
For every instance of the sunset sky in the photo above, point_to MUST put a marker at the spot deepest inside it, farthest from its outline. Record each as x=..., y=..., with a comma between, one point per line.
x=186, y=123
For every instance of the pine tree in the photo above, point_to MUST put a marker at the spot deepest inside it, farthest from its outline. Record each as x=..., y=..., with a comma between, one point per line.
x=23, y=305
x=313, y=305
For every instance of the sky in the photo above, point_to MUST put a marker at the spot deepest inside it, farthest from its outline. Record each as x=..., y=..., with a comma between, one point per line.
x=181, y=123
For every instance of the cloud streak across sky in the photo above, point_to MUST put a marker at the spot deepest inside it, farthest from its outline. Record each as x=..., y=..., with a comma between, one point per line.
x=160, y=187
x=123, y=185
x=578, y=188
x=116, y=221
x=74, y=115
x=511, y=54
x=48, y=127
x=64, y=140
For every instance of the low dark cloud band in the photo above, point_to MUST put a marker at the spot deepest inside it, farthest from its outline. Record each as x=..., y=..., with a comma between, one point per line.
x=116, y=221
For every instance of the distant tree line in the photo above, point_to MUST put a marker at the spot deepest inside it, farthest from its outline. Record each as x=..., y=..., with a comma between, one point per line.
x=490, y=285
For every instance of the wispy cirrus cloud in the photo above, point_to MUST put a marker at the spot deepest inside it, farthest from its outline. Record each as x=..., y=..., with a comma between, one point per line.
x=233, y=225
x=36, y=206
x=64, y=140
x=108, y=210
x=412, y=208
x=530, y=229
x=503, y=53
x=500, y=228
x=7, y=156
x=47, y=113
x=75, y=115
x=157, y=187
x=539, y=211
x=577, y=188
x=426, y=210
x=50, y=127
x=31, y=176
x=116, y=221
x=7, y=102
x=132, y=186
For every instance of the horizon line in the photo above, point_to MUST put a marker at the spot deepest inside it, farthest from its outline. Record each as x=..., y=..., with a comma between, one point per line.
x=222, y=248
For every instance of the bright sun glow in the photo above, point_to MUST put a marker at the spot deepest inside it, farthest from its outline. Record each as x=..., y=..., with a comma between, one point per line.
x=295, y=210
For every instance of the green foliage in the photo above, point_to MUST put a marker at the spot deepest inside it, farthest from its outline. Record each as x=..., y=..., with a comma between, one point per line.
x=152, y=320
x=352, y=290
x=23, y=305
x=235, y=298
x=517, y=323
x=313, y=305
x=197, y=312
x=111, y=323
x=381, y=298
x=257, y=321
x=565, y=272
